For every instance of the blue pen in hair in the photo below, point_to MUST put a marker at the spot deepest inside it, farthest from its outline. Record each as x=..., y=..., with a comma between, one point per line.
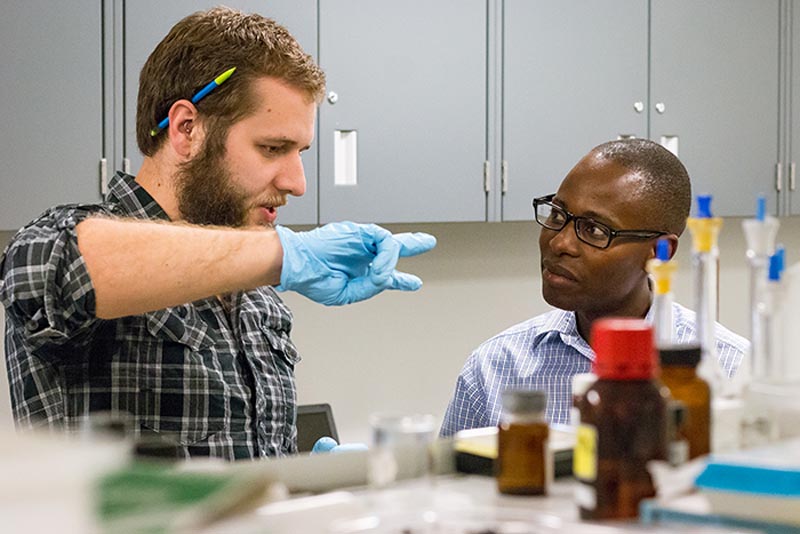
x=213, y=84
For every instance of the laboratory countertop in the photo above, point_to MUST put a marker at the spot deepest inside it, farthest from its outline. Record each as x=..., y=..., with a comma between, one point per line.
x=451, y=504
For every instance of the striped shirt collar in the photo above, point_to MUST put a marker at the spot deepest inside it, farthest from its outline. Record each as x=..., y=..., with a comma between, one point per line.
x=566, y=325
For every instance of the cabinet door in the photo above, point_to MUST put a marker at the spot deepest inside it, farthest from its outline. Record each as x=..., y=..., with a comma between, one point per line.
x=574, y=76
x=793, y=120
x=51, y=108
x=714, y=69
x=148, y=21
x=409, y=112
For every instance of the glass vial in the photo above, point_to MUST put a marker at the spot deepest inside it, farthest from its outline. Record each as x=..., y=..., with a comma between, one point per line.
x=679, y=375
x=623, y=422
x=522, y=444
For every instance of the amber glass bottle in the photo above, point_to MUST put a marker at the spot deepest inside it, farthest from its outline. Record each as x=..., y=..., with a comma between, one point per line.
x=623, y=422
x=522, y=444
x=679, y=375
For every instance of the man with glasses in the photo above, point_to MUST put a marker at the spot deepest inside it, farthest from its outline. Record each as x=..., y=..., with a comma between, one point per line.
x=597, y=233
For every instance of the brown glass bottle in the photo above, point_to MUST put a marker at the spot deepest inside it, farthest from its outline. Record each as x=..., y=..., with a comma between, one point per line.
x=623, y=422
x=522, y=435
x=679, y=375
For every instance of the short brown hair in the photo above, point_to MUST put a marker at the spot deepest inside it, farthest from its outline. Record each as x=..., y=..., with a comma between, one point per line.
x=204, y=45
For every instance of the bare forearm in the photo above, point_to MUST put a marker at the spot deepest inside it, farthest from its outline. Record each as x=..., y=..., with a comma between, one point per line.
x=141, y=266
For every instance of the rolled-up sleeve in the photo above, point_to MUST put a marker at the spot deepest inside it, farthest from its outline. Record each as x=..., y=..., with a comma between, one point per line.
x=45, y=287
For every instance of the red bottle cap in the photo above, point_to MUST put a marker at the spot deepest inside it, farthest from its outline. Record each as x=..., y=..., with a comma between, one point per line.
x=624, y=349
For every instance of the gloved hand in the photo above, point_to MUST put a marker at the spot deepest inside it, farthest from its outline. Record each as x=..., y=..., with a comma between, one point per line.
x=342, y=263
x=327, y=444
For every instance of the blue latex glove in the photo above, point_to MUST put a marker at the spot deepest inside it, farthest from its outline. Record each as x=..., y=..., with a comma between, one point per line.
x=327, y=444
x=342, y=263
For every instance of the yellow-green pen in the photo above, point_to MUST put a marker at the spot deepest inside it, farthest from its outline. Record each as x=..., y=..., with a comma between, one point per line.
x=213, y=84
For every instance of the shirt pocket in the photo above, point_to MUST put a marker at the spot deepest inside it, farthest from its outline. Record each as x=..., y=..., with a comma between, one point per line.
x=281, y=344
x=180, y=324
x=182, y=396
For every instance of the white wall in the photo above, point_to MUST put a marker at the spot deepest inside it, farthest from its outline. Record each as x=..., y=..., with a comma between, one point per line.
x=403, y=351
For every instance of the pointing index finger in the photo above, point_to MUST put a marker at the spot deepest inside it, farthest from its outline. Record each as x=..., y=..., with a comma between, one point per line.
x=412, y=244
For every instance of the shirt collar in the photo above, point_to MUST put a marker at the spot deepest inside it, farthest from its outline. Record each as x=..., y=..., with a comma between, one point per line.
x=561, y=321
x=566, y=325
x=565, y=322
x=133, y=199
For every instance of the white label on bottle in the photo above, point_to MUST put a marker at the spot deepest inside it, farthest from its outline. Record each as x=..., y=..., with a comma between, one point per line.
x=586, y=496
x=574, y=417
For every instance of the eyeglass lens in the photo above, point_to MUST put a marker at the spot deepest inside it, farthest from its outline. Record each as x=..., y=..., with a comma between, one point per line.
x=588, y=231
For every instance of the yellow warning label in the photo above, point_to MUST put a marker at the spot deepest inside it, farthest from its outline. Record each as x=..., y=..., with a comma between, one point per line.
x=584, y=459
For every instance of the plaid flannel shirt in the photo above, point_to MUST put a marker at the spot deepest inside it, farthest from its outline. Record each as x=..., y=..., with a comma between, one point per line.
x=215, y=380
x=544, y=353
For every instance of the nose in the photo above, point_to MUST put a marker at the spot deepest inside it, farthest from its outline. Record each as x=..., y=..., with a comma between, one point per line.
x=292, y=177
x=563, y=241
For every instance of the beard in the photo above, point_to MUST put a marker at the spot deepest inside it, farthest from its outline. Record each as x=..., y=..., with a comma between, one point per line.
x=206, y=193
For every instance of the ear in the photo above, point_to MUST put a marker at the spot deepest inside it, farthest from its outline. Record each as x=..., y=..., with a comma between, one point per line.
x=182, y=128
x=673, y=245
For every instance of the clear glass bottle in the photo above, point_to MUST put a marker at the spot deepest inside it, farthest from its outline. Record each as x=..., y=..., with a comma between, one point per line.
x=522, y=436
x=679, y=375
x=623, y=422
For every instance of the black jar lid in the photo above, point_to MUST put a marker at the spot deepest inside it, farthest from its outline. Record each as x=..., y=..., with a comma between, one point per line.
x=686, y=355
x=524, y=401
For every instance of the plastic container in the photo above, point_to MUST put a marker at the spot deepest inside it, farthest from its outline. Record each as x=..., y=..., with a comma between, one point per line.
x=761, y=484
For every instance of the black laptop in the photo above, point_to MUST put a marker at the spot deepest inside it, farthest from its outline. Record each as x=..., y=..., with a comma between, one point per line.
x=313, y=422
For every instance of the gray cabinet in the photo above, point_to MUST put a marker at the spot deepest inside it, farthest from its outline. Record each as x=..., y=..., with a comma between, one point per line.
x=146, y=22
x=699, y=77
x=714, y=73
x=451, y=110
x=791, y=106
x=574, y=76
x=404, y=137
x=51, y=142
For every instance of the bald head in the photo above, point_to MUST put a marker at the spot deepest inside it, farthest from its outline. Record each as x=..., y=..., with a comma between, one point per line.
x=663, y=188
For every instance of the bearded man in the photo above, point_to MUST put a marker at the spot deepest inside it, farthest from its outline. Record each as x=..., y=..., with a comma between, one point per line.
x=158, y=302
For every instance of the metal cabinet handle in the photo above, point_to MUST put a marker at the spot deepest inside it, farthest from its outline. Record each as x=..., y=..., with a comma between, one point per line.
x=103, y=177
x=660, y=107
x=638, y=106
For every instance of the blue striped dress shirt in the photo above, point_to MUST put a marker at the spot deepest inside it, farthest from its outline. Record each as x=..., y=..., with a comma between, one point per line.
x=544, y=353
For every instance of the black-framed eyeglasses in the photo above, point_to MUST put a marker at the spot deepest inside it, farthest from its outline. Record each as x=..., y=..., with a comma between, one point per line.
x=588, y=230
